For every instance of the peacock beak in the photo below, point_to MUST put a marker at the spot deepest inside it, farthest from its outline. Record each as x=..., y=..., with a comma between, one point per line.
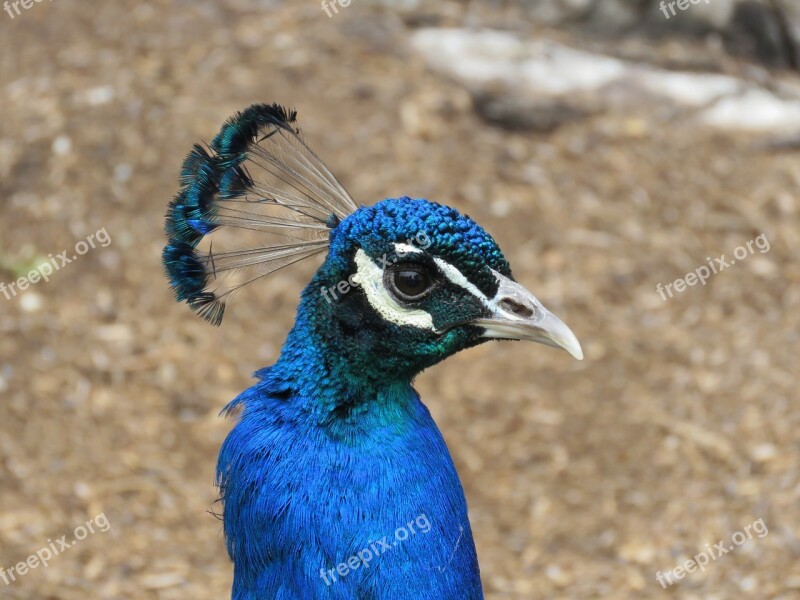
x=518, y=315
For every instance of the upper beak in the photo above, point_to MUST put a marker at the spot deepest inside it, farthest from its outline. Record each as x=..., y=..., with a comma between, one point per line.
x=518, y=315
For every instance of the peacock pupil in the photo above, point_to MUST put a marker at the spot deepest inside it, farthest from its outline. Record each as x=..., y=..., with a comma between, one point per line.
x=411, y=284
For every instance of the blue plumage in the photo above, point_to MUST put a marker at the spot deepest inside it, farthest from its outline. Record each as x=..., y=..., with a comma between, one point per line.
x=302, y=497
x=335, y=481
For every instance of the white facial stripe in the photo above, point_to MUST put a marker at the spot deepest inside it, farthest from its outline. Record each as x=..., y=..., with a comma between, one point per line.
x=402, y=249
x=455, y=276
x=370, y=277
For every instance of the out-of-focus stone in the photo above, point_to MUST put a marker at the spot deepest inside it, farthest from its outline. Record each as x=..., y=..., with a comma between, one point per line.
x=541, y=84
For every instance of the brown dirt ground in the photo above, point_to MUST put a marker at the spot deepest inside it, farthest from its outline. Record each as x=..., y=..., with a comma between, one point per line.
x=583, y=478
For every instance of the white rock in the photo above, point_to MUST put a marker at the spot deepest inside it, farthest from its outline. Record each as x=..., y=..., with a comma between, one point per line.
x=690, y=89
x=486, y=56
x=62, y=145
x=97, y=96
x=538, y=73
x=755, y=109
x=31, y=302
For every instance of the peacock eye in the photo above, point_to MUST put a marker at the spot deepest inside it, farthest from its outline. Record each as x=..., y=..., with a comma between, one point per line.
x=409, y=282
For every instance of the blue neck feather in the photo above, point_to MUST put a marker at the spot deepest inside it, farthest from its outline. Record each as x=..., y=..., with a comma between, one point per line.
x=330, y=462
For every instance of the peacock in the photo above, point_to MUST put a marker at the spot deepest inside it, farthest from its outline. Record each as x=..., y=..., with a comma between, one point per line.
x=335, y=482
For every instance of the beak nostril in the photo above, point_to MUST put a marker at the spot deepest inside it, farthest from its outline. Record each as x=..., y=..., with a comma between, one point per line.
x=516, y=308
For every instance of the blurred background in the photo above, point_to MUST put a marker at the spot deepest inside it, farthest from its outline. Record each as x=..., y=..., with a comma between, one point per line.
x=610, y=146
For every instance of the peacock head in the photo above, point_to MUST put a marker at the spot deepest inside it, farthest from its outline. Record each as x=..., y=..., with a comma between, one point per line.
x=408, y=282
x=405, y=284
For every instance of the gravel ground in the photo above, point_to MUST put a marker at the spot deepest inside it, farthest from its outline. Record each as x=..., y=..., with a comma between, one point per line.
x=584, y=478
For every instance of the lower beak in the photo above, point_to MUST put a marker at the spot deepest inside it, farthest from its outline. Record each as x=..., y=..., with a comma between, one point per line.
x=518, y=315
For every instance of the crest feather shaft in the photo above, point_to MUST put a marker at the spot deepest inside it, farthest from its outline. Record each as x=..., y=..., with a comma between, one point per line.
x=255, y=201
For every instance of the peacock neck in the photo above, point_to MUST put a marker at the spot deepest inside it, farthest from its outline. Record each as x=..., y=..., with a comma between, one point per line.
x=318, y=371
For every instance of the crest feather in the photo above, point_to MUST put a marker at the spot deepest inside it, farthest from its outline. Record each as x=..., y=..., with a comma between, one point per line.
x=262, y=195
